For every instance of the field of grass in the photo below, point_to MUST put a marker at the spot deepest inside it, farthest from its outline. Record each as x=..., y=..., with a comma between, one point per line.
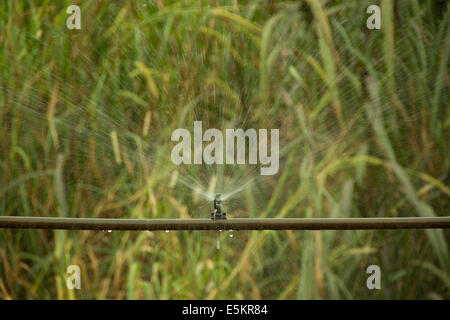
x=86, y=118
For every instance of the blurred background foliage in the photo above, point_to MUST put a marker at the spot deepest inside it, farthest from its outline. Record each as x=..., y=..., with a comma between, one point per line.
x=85, y=123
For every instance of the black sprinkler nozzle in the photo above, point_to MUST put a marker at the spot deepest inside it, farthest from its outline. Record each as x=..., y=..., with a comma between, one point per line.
x=218, y=214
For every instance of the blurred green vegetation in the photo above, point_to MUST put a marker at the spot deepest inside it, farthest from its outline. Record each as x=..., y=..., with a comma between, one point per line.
x=85, y=123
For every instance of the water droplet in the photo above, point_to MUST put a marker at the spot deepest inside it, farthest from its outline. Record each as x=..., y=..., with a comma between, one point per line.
x=110, y=231
x=167, y=230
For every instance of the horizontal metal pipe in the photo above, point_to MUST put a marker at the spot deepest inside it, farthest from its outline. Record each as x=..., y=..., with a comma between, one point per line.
x=229, y=224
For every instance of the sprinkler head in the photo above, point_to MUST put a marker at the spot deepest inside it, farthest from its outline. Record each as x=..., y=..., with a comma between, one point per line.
x=217, y=214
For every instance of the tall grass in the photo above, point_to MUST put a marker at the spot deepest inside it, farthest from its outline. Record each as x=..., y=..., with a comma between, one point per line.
x=85, y=124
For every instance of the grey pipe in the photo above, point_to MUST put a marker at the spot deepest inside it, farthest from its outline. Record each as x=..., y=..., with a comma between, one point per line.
x=229, y=224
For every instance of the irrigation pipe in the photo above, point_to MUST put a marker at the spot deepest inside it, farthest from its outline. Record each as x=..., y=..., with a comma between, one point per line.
x=20, y=222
